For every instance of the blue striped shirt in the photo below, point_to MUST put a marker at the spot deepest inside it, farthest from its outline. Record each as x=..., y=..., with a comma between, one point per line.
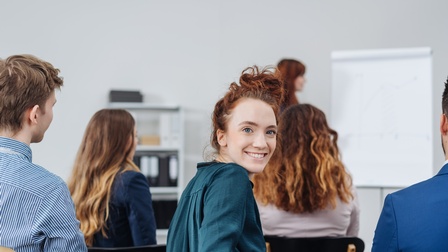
x=36, y=209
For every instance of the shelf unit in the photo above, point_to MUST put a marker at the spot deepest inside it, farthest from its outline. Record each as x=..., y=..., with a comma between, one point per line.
x=159, y=155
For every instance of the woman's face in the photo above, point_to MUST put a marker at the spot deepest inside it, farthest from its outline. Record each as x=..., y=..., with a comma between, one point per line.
x=250, y=138
x=299, y=82
x=133, y=142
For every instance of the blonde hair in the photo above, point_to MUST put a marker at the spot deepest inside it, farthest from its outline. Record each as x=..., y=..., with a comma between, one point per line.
x=305, y=173
x=103, y=153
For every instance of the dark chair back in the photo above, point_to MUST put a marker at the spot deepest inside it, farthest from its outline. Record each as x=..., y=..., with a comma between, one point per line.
x=148, y=248
x=315, y=244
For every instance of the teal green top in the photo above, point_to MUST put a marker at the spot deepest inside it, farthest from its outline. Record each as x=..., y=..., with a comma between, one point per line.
x=217, y=212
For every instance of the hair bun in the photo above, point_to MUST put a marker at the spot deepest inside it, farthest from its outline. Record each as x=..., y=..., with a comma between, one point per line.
x=266, y=79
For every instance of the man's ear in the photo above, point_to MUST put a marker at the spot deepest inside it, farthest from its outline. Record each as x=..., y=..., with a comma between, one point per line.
x=443, y=125
x=221, y=137
x=32, y=114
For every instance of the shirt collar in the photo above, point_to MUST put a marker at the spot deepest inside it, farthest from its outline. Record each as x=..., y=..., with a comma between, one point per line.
x=11, y=146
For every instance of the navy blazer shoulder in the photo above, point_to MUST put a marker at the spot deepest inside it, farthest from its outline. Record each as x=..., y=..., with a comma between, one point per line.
x=415, y=218
x=131, y=219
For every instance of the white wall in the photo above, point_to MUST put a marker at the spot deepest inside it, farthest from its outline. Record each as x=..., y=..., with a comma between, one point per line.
x=187, y=52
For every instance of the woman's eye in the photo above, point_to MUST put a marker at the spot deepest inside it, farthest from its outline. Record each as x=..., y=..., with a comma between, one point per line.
x=247, y=130
x=271, y=132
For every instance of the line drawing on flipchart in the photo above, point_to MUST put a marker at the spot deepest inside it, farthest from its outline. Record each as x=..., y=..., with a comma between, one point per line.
x=377, y=127
x=378, y=114
x=381, y=108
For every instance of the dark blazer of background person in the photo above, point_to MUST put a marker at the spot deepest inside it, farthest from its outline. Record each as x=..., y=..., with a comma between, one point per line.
x=416, y=218
x=131, y=219
x=111, y=195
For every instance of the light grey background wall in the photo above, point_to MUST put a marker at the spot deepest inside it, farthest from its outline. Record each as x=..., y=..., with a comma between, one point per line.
x=187, y=52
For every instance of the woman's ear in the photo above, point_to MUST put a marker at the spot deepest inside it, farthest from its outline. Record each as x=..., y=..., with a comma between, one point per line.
x=221, y=137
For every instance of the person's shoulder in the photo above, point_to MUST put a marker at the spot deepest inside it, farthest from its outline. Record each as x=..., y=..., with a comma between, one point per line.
x=44, y=177
x=416, y=189
x=438, y=181
x=232, y=172
x=210, y=171
x=228, y=169
x=39, y=181
x=128, y=176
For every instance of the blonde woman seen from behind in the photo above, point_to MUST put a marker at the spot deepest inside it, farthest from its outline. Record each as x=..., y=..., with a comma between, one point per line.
x=111, y=196
x=305, y=190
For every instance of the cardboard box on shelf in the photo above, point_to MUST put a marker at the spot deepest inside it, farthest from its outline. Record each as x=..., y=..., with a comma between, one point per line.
x=149, y=140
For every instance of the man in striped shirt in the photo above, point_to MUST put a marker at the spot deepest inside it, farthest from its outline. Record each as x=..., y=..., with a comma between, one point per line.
x=36, y=210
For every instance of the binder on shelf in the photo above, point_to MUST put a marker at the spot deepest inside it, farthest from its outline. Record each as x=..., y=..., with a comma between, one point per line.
x=173, y=170
x=149, y=166
x=153, y=172
x=160, y=171
x=144, y=165
x=163, y=172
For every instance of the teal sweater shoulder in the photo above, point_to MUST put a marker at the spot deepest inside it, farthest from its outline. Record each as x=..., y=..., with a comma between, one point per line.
x=217, y=212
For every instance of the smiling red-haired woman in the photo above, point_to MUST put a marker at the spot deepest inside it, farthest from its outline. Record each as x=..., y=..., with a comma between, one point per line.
x=217, y=210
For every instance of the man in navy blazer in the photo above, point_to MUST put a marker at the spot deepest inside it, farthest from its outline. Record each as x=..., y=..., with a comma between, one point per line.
x=416, y=218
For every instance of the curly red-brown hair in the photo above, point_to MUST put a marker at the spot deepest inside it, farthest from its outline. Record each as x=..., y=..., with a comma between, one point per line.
x=305, y=173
